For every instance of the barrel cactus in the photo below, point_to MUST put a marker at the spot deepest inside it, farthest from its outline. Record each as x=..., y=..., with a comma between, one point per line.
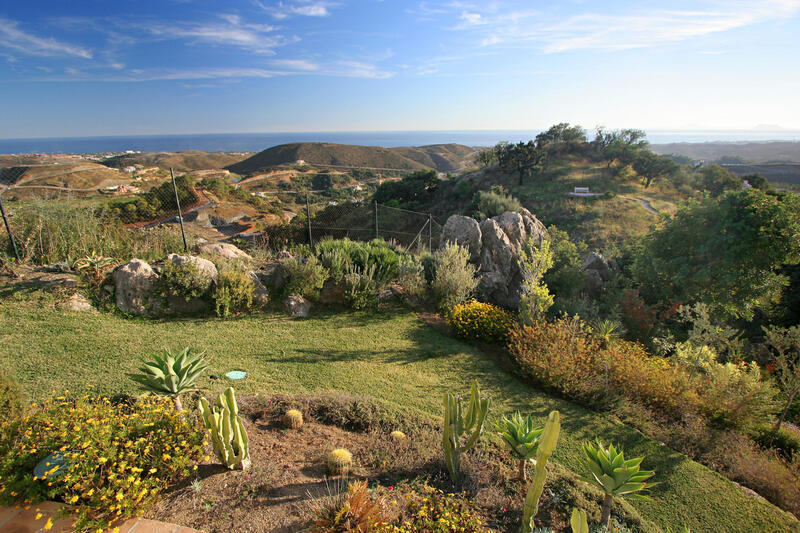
x=293, y=419
x=339, y=461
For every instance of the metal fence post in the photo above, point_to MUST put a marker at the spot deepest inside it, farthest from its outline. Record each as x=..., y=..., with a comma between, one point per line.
x=376, y=220
x=180, y=215
x=308, y=218
x=8, y=229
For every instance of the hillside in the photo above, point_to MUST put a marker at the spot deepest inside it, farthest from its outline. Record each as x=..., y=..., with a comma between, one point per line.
x=441, y=157
x=79, y=175
x=183, y=161
x=774, y=172
x=753, y=152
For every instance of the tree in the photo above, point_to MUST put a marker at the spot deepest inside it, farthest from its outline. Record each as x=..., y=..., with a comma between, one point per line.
x=522, y=158
x=652, y=166
x=409, y=190
x=758, y=181
x=486, y=157
x=716, y=180
x=622, y=145
x=561, y=138
x=785, y=342
x=727, y=252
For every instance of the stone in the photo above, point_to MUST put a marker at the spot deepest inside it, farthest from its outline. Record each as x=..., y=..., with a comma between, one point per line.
x=534, y=227
x=56, y=268
x=513, y=226
x=386, y=295
x=272, y=276
x=222, y=249
x=464, y=231
x=498, y=253
x=204, y=266
x=78, y=303
x=596, y=262
x=260, y=292
x=48, y=280
x=283, y=255
x=297, y=306
x=134, y=283
x=332, y=293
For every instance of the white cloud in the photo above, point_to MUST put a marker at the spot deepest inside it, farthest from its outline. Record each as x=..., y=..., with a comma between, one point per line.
x=11, y=36
x=296, y=64
x=305, y=8
x=618, y=31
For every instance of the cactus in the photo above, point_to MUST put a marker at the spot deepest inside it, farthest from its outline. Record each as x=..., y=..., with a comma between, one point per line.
x=293, y=419
x=547, y=443
x=398, y=436
x=339, y=461
x=227, y=431
x=578, y=521
x=458, y=423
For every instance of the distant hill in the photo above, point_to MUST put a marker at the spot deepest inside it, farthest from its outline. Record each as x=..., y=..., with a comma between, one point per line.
x=750, y=152
x=82, y=175
x=440, y=157
x=183, y=161
x=774, y=172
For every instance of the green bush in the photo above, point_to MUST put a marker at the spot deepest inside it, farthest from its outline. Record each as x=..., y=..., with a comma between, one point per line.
x=233, y=292
x=360, y=288
x=455, y=277
x=10, y=397
x=495, y=201
x=786, y=441
x=304, y=276
x=116, y=457
x=336, y=261
x=185, y=280
x=411, y=275
x=430, y=509
x=338, y=255
x=157, y=202
x=737, y=396
x=428, y=262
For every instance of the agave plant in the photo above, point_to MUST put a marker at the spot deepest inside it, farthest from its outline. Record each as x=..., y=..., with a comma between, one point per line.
x=172, y=374
x=521, y=437
x=613, y=474
x=94, y=265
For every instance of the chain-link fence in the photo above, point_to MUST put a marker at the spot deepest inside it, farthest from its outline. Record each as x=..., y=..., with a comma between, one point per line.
x=42, y=213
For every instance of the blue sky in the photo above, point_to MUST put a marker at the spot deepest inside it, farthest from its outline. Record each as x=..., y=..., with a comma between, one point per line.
x=195, y=66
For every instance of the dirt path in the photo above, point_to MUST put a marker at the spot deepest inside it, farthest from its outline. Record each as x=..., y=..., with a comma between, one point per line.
x=644, y=203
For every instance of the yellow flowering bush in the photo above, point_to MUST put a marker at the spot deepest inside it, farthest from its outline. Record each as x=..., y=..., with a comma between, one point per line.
x=433, y=511
x=115, y=457
x=480, y=321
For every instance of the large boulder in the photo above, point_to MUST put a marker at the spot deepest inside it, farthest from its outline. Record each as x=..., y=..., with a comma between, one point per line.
x=464, y=231
x=260, y=292
x=203, y=266
x=332, y=292
x=134, y=283
x=297, y=306
x=272, y=276
x=222, y=249
x=597, y=263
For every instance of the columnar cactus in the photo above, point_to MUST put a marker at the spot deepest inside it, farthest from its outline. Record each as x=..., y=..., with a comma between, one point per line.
x=228, y=435
x=578, y=521
x=459, y=423
x=293, y=419
x=547, y=444
x=339, y=461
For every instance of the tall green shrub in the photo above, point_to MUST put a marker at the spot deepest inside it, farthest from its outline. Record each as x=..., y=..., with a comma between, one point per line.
x=304, y=276
x=455, y=279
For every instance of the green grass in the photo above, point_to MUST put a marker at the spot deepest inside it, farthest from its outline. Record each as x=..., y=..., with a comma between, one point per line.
x=392, y=356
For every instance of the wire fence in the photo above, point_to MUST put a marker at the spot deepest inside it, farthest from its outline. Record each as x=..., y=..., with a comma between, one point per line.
x=273, y=219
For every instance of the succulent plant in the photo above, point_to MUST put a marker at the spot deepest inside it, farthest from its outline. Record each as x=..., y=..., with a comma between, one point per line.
x=398, y=436
x=578, y=521
x=293, y=419
x=521, y=436
x=228, y=434
x=462, y=422
x=545, y=448
x=339, y=461
x=171, y=374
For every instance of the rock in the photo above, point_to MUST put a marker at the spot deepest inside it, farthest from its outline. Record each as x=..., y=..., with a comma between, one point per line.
x=204, y=266
x=260, y=292
x=297, y=306
x=222, y=249
x=513, y=226
x=272, y=276
x=498, y=253
x=55, y=268
x=386, y=295
x=134, y=283
x=534, y=227
x=47, y=280
x=332, y=293
x=78, y=303
x=464, y=231
x=596, y=262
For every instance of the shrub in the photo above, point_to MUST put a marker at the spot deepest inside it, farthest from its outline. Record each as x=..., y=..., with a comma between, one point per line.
x=480, y=321
x=455, y=279
x=343, y=253
x=738, y=397
x=337, y=263
x=233, y=293
x=411, y=275
x=304, y=276
x=10, y=397
x=355, y=510
x=360, y=288
x=428, y=261
x=785, y=440
x=184, y=280
x=493, y=202
x=431, y=510
x=142, y=447
x=535, y=260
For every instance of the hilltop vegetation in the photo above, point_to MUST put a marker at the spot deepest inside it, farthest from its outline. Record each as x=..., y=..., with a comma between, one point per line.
x=182, y=161
x=440, y=157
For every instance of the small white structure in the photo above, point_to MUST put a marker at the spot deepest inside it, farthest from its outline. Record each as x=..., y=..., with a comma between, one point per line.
x=581, y=190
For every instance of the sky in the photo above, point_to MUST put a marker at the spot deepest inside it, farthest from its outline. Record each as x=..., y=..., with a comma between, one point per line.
x=123, y=67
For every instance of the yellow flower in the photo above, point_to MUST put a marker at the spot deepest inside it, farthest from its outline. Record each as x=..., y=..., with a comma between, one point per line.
x=49, y=524
x=38, y=516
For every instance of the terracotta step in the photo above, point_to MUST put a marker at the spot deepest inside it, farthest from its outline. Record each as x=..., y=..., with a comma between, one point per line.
x=24, y=520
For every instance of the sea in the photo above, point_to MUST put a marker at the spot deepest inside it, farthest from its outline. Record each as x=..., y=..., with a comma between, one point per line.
x=255, y=142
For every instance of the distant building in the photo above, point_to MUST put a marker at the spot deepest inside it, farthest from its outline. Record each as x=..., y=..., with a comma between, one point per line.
x=129, y=170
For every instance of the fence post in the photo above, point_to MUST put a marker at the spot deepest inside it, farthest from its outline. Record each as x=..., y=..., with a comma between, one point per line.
x=180, y=215
x=376, y=219
x=430, y=233
x=308, y=219
x=8, y=229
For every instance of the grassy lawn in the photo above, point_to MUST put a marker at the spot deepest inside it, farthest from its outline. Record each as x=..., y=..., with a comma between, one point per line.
x=391, y=355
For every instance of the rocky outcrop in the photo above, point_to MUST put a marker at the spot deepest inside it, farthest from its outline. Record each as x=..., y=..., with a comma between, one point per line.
x=272, y=276
x=297, y=306
x=77, y=302
x=465, y=232
x=134, y=283
x=501, y=240
x=222, y=249
x=597, y=271
x=260, y=292
x=205, y=267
